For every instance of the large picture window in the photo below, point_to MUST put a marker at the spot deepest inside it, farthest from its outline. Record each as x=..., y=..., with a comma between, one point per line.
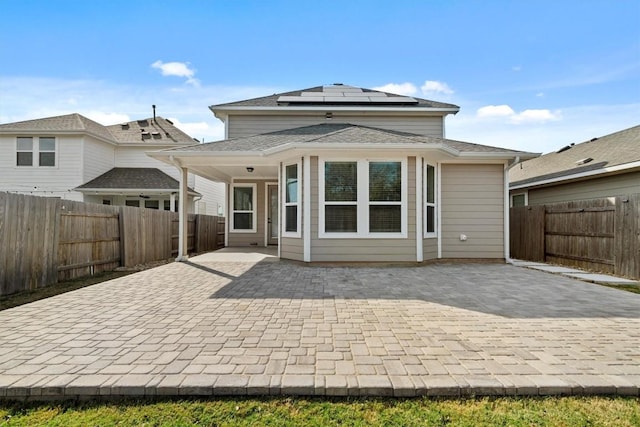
x=430, y=212
x=364, y=198
x=35, y=151
x=243, y=204
x=292, y=212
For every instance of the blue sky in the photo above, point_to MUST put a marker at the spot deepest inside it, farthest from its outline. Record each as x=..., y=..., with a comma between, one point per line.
x=531, y=75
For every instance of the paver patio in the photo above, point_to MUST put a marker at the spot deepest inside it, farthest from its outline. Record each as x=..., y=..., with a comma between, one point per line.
x=217, y=326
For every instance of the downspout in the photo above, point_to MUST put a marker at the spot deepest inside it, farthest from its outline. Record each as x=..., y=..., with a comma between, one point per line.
x=507, y=239
x=182, y=211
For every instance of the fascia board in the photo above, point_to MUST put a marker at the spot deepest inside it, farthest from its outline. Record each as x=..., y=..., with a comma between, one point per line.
x=323, y=108
x=577, y=176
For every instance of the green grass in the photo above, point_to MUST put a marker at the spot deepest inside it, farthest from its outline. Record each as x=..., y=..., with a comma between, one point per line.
x=629, y=288
x=525, y=412
x=26, y=297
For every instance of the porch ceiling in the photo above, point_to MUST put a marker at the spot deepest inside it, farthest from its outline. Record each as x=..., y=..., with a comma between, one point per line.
x=224, y=173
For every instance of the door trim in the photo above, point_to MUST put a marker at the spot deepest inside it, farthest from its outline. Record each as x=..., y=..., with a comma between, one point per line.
x=266, y=212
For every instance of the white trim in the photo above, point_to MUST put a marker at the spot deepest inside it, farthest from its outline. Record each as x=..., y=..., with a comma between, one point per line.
x=323, y=108
x=505, y=219
x=254, y=208
x=306, y=207
x=283, y=220
x=439, y=206
x=616, y=168
x=267, y=210
x=362, y=201
x=419, y=194
x=35, y=152
x=227, y=226
x=279, y=209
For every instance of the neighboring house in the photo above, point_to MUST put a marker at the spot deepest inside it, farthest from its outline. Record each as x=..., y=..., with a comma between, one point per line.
x=340, y=173
x=602, y=167
x=75, y=158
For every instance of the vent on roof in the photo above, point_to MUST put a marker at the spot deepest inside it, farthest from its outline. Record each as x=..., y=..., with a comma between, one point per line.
x=125, y=126
x=155, y=133
x=169, y=121
x=584, y=161
x=143, y=123
x=565, y=148
x=593, y=139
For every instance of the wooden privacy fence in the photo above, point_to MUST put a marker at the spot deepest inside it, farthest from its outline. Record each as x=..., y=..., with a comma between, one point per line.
x=599, y=234
x=46, y=240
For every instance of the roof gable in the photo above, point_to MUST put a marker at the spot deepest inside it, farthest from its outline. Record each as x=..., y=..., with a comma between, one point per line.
x=615, y=149
x=69, y=122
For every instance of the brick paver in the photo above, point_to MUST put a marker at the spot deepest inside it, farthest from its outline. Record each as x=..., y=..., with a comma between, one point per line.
x=220, y=327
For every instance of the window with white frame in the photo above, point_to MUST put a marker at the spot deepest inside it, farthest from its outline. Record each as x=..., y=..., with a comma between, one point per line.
x=243, y=203
x=292, y=212
x=364, y=198
x=519, y=200
x=42, y=153
x=430, y=211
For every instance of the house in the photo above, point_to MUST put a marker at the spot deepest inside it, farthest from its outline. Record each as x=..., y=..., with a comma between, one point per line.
x=75, y=158
x=341, y=173
x=602, y=167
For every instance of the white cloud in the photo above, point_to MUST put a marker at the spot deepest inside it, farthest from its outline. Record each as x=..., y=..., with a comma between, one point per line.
x=540, y=94
x=516, y=68
x=536, y=116
x=178, y=69
x=107, y=118
x=495, y=111
x=406, y=89
x=201, y=129
x=433, y=87
x=526, y=116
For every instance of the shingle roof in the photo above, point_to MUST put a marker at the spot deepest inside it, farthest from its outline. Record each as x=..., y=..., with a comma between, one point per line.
x=159, y=131
x=611, y=150
x=162, y=131
x=133, y=178
x=334, y=133
x=272, y=100
x=67, y=122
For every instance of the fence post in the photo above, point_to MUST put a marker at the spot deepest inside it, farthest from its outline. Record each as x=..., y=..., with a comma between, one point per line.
x=122, y=232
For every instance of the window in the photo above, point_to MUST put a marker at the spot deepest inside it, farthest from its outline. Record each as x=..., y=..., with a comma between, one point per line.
x=385, y=197
x=519, y=200
x=24, y=154
x=44, y=151
x=430, y=201
x=341, y=197
x=152, y=204
x=363, y=199
x=133, y=203
x=243, y=218
x=292, y=200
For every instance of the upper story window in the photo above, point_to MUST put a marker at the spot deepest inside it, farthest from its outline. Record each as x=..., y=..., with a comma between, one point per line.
x=40, y=151
x=243, y=203
x=364, y=198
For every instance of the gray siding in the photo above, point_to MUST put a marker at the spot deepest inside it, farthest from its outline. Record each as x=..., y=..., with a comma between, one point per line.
x=430, y=248
x=292, y=248
x=369, y=250
x=257, y=238
x=247, y=125
x=616, y=185
x=472, y=204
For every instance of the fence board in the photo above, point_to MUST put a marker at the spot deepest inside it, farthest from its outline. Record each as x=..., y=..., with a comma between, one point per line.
x=45, y=240
x=599, y=234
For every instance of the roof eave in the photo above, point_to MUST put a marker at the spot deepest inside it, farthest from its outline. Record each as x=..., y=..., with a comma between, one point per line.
x=577, y=176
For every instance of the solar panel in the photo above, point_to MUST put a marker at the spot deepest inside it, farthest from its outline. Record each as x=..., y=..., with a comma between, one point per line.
x=341, y=94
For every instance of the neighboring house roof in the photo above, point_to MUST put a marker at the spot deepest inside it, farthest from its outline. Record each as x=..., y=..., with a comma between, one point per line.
x=607, y=154
x=336, y=134
x=69, y=122
x=158, y=132
x=338, y=95
x=132, y=179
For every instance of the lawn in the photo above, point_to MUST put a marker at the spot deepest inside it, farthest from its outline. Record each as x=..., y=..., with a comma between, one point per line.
x=529, y=412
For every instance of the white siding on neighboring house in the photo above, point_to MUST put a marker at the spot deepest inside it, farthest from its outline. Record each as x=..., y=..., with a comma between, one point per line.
x=212, y=201
x=472, y=205
x=247, y=125
x=595, y=188
x=136, y=157
x=98, y=158
x=55, y=181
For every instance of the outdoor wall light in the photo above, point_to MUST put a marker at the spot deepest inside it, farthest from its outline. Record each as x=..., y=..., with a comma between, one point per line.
x=249, y=169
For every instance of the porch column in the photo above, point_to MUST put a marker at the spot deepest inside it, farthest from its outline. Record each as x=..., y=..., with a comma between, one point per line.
x=419, y=207
x=183, y=218
x=306, y=208
x=172, y=202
